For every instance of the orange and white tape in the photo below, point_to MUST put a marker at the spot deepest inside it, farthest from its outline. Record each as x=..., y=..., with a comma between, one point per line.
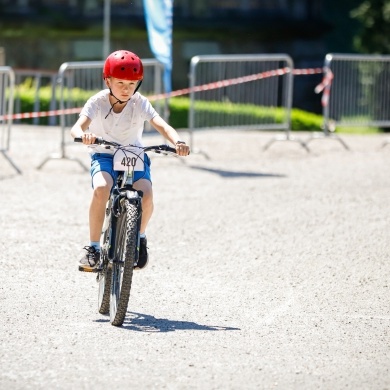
x=28, y=115
x=323, y=86
x=222, y=83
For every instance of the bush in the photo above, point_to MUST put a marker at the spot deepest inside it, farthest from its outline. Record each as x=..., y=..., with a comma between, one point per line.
x=303, y=120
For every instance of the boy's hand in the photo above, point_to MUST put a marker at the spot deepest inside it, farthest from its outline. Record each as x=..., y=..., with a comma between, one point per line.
x=88, y=138
x=182, y=149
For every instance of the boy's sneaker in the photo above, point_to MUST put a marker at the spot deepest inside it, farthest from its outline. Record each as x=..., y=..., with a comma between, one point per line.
x=91, y=259
x=143, y=257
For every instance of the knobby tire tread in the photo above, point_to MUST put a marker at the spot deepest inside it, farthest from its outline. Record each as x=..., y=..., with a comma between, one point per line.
x=104, y=305
x=128, y=226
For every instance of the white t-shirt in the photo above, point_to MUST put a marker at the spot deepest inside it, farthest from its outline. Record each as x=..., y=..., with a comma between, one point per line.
x=124, y=128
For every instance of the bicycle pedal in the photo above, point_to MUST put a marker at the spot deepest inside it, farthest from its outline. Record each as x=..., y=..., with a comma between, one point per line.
x=94, y=270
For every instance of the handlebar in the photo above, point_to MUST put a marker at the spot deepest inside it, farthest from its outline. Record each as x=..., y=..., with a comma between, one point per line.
x=155, y=148
x=98, y=141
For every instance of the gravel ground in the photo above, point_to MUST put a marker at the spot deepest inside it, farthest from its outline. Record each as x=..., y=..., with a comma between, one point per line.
x=269, y=269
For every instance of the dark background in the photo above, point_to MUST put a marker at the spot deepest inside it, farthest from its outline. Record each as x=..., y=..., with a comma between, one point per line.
x=42, y=34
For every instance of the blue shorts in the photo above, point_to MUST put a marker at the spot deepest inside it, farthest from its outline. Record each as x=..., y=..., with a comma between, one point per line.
x=103, y=162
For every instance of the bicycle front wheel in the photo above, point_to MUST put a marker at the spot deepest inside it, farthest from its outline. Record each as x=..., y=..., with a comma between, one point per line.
x=123, y=264
x=104, y=276
x=104, y=291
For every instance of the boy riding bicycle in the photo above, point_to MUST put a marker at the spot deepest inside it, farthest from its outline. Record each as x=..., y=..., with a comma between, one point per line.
x=118, y=114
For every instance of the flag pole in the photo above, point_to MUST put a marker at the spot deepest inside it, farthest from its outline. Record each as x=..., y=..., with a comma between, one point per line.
x=106, y=28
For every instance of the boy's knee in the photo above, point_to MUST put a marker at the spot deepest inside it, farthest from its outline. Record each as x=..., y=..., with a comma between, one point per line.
x=147, y=198
x=101, y=192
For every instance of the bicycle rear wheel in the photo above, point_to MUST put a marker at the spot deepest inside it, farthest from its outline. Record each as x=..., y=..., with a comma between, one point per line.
x=122, y=267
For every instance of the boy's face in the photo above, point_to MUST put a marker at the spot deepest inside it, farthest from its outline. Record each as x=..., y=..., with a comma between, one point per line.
x=122, y=89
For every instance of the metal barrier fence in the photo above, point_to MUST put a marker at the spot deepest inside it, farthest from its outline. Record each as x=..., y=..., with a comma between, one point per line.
x=259, y=96
x=77, y=81
x=36, y=79
x=360, y=92
x=7, y=87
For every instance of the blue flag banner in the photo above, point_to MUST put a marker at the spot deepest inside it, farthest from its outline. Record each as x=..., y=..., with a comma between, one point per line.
x=158, y=15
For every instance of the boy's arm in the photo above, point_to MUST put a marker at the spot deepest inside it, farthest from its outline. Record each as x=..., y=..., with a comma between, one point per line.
x=79, y=128
x=169, y=133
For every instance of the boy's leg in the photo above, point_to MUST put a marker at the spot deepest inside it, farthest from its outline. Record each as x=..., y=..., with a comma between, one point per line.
x=102, y=184
x=145, y=186
x=147, y=201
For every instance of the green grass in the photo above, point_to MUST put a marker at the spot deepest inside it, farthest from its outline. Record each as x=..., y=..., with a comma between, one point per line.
x=358, y=130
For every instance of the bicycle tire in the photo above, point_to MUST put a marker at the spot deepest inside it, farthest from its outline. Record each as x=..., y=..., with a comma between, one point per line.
x=122, y=267
x=104, y=286
x=104, y=278
x=105, y=291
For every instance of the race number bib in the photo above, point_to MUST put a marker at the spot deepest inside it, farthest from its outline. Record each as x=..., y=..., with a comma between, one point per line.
x=129, y=159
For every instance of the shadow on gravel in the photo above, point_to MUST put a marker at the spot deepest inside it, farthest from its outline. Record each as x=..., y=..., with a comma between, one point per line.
x=233, y=174
x=8, y=176
x=146, y=323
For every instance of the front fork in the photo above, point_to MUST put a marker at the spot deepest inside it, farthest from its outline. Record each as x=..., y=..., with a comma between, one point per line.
x=135, y=197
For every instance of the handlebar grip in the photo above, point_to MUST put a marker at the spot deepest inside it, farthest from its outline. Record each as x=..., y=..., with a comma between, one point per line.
x=98, y=141
x=169, y=149
x=160, y=149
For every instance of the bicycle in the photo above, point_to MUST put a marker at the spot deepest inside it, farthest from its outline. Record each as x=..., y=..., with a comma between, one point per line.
x=120, y=234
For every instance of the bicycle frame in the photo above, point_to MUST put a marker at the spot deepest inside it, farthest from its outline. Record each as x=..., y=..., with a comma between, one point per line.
x=122, y=188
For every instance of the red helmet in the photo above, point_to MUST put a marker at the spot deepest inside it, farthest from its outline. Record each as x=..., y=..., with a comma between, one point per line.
x=123, y=64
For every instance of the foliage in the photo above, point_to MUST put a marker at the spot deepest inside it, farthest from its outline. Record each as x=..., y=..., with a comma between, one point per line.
x=302, y=120
x=374, y=16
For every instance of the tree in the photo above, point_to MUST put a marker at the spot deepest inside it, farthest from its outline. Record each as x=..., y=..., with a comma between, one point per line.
x=374, y=37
